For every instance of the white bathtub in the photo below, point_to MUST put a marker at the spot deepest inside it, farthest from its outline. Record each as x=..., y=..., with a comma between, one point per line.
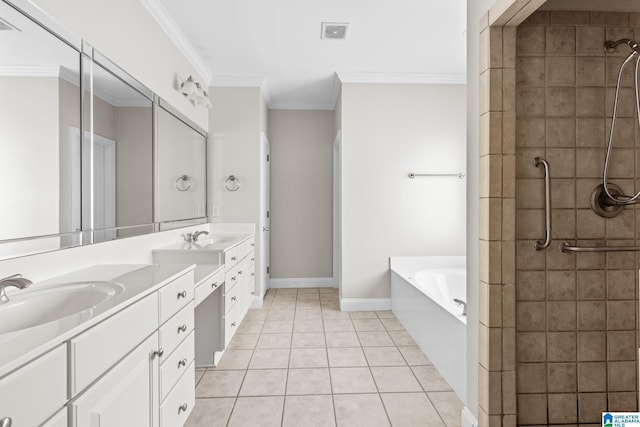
x=422, y=294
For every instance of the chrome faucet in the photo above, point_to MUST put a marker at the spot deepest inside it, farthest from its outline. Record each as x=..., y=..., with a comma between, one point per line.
x=16, y=281
x=193, y=237
x=461, y=303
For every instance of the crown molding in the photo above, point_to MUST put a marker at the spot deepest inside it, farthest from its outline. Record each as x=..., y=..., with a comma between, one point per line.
x=162, y=17
x=40, y=71
x=402, y=78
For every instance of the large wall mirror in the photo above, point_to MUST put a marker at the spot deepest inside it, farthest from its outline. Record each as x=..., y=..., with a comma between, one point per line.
x=80, y=142
x=39, y=102
x=118, y=148
x=181, y=170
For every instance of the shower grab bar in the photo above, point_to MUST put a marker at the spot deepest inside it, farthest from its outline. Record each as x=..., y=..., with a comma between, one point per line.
x=566, y=247
x=543, y=244
x=413, y=175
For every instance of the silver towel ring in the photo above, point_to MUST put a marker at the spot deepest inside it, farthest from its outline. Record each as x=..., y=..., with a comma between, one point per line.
x=232, y=183
x=183, y=183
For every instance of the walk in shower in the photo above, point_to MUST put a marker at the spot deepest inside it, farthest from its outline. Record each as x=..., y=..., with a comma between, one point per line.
x=559, y=257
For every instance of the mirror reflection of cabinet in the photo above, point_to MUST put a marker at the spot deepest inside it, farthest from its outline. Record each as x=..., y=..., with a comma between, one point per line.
x=181, y=168
x=40, y=103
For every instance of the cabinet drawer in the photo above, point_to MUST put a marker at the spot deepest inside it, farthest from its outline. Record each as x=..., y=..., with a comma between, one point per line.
x=98, y=349
x=231, y=323
x=176, y=365
x=175, y=295
x=176, y=329
x=58, y=420
x=125, y=396
x=177, y=406
x=230, y=258
x=232, y=297
x=230, y=280
x=205, y=289
x=34, y=392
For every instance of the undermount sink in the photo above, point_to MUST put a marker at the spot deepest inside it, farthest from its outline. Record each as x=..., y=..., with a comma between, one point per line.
x=32, y=307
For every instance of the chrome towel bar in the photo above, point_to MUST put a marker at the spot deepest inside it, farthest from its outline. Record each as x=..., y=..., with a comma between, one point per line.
x=543, y=244
x=413, y=175
x=566, y=247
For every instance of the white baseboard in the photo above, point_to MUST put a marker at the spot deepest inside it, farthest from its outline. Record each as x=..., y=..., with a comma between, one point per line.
x=302, y=282
x=468, y=420
x=365, y=304
x=257, y=302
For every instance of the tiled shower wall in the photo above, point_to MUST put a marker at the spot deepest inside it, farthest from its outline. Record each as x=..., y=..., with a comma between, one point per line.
x=576, y=314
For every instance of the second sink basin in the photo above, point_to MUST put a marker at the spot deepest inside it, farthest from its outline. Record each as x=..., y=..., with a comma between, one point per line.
x=32, y=307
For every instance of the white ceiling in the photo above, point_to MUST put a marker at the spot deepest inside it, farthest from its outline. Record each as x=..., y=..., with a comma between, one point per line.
x=243, y=42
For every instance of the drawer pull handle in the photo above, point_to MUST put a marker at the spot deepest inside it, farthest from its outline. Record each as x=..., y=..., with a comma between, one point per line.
x=239, y=272
x=253, y=274
x=233, y=298
x=182, y=408
x=233, y=325
x=214, y=285
x=182, y=294
x=253, y=244
x=253, y=259
x=182, y=363
x=5, y=422
x=233, y=258
x=159, y=353
x=233, y=278
x=182, y=328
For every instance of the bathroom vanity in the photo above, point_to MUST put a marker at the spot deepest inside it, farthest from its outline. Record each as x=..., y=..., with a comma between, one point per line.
x=223, y=295
x=116, y=345
x=127, y=360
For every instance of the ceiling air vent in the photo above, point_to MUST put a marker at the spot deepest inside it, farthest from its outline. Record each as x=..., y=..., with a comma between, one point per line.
x=335, y=30
x=5, y=26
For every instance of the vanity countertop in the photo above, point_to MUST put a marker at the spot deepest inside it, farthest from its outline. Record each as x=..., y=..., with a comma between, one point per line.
x=136, y=281
x=219, y=242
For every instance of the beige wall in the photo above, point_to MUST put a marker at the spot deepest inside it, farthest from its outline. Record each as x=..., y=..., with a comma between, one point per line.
x=126, y=33
x=389, y=130
x=301, y=193
x=234, y=149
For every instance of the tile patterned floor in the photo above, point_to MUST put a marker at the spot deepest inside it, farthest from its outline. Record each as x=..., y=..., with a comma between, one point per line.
x=301, y=362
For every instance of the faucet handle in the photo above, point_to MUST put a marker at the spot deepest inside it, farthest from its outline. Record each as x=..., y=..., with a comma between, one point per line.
x=188, y=237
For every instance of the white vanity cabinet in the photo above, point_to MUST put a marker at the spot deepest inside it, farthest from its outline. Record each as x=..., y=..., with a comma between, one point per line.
x=138, y=390
x=125, y=396
x=238, y=285
x=218, y=314
x=132, y=367
x=36, y=391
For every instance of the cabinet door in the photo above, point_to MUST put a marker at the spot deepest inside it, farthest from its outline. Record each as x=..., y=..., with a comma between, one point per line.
x=126, y=396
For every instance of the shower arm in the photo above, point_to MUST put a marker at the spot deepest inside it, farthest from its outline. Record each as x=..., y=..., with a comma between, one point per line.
x=610, y=45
